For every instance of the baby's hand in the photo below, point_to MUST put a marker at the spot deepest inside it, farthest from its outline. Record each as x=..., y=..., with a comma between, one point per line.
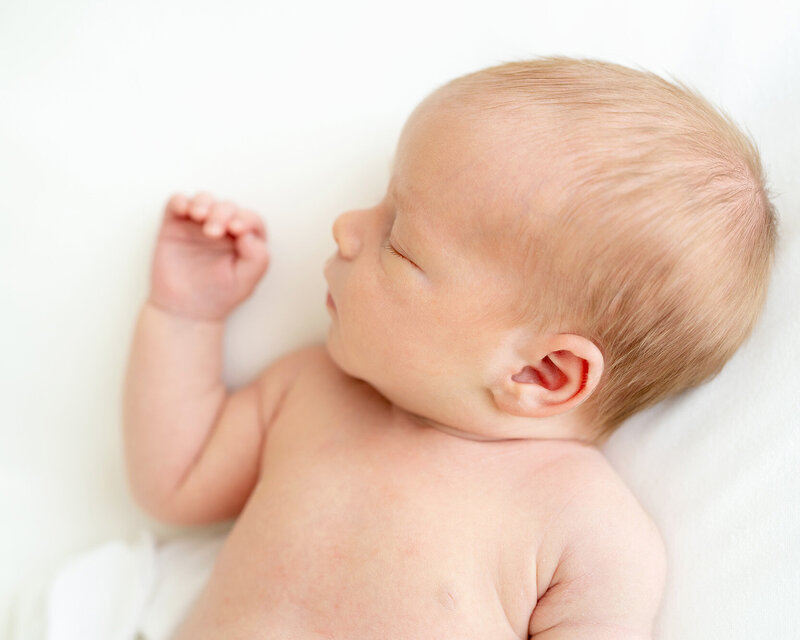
x=209, y=256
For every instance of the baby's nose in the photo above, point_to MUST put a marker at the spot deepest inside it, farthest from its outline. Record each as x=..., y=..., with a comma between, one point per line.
x=345, y=234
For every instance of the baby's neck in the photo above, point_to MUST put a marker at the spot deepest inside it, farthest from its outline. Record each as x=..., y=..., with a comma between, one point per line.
x=546, y=429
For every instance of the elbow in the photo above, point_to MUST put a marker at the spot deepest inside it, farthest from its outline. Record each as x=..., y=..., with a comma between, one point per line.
x=176, y=507
x=169, y=508
x=157, y=502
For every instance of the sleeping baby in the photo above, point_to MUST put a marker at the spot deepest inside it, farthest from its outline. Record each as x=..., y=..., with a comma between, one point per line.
x=562, y=243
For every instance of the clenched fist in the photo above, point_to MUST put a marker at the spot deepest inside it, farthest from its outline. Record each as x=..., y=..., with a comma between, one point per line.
x=209, y=256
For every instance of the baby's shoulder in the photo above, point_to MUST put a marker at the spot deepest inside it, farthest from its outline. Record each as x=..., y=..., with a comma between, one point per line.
x=595, y=493
x=317, y=368
x=314, y=374
x=603, y=561
x=598, y=520
x=312, y=361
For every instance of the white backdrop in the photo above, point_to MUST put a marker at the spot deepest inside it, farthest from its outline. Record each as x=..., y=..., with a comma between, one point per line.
x=293, y=108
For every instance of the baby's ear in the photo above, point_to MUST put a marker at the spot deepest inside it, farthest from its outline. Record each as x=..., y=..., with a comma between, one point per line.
x=548, y=376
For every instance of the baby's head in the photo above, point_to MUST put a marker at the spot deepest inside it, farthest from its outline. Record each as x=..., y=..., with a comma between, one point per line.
x=562, y=243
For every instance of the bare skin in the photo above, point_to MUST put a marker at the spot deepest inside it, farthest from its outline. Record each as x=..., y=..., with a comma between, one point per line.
x=427, y=473
x=366, y=524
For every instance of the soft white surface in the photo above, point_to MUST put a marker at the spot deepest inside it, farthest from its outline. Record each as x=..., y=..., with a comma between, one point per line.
x=135, y=589
x=106, y=108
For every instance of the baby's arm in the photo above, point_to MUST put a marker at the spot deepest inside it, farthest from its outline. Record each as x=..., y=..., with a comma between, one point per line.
x=609, y=579
x=192, y=448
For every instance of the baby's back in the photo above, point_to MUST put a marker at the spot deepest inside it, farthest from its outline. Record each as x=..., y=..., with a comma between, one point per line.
x=365, y=525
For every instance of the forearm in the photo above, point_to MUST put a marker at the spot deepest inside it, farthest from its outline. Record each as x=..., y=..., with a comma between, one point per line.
x=172, y=396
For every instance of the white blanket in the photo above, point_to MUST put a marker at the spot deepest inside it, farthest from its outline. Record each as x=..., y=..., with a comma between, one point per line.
x=122, y=590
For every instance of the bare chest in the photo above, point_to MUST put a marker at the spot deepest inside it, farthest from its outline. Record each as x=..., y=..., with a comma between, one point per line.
x=364, y=527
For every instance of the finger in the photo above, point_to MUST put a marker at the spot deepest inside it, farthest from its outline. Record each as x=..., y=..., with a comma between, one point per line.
x=254, y=255
x=254, y=258
x=200, y=206
x=178, y=205
x=245, y=220
x=218, y=217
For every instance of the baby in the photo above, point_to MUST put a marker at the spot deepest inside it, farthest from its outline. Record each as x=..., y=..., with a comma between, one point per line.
x=562, y=243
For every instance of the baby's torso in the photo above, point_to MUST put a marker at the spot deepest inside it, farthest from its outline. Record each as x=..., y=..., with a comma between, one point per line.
x=367, y=526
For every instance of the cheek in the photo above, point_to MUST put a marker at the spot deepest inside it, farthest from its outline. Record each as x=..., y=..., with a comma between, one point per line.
x=381, y=314
x=364, y=310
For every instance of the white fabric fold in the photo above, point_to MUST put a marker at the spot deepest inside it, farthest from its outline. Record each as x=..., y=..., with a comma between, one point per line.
x=121, y=590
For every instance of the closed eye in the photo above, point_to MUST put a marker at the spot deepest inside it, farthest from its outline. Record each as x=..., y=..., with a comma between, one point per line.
x=388, y=246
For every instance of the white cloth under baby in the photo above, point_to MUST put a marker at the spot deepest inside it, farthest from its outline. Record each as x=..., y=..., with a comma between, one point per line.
x=120, y=590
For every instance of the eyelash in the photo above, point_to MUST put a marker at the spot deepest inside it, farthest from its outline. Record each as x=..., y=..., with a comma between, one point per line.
x=388, y=246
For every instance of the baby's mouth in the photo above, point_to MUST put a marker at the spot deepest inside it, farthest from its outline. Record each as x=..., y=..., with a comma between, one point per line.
x=329, y=302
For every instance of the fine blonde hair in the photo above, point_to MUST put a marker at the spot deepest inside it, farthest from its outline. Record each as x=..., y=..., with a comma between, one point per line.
x=661, y=247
